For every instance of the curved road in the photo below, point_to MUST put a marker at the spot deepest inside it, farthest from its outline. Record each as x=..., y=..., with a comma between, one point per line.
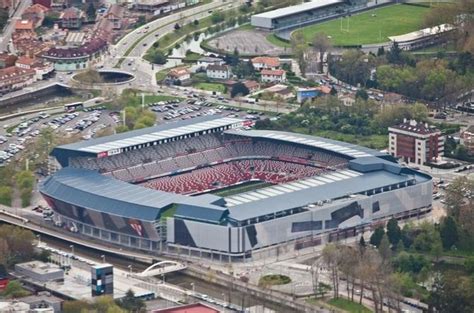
x=137, y=42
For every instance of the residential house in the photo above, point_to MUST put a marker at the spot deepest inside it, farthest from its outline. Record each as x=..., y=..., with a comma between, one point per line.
x=252, y=85
x=267, y=63
x=41, y=68
x=71, y=18
x=204, y=62
x=36, y=14
x=283, y=91
x=303, y=94
x=347, y=100
x=7, y=60
x=273, y=76
x=115, y=15
x=14, y=78
x=24, y=26
x=416, y=142
x=216, y=71
x=178, y=75
x=467, y=139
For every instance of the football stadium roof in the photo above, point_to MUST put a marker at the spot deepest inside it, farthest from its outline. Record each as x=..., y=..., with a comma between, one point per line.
x=91, y=190
x=347, y=149
x=120, y=141
x=300, y=8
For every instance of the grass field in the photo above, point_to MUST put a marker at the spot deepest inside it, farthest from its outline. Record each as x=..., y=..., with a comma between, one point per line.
x=233, y=190
x=349, y=306
x=211, y=87
x=364, y=28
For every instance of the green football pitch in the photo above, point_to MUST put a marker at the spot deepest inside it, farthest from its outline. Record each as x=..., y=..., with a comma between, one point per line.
x=374, y=26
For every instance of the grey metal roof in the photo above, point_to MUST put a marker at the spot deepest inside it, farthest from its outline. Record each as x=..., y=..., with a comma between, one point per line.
x=300, y=8
x=344, y=148
x=89, y=189
x=299, y=196
x=204, y=214
x=150, y=134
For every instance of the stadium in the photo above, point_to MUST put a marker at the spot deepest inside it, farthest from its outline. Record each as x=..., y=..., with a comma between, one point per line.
x=208, y=188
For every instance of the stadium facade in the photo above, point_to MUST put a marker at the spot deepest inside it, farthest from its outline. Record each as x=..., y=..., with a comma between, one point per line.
x=154, y=189
x=305, y=13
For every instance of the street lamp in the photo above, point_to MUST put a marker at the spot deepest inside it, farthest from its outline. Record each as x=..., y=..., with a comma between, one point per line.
x=192, y=286
x=39, y=239
x=130, y=267
x=72, y=249
x=224, y=298
x=103, y=258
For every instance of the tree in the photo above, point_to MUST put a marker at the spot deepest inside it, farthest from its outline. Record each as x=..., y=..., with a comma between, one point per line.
x=332, y=258
x=196, y=22
x=469, y=264
x=362, y=94
x=380, y=51
x=452, y=292
x=377, y=236
x=91, y=12
x=131, y=304
x=14, y=289
x=177, y=26
x=321, y=44
x=394, y=232
x=239, y=89
x=76, y=306
x=449, y=232
x=384, y=248
x=299, y=49
x=156, y=56
x=362, y=243
x=394, y=55
x=4, y=252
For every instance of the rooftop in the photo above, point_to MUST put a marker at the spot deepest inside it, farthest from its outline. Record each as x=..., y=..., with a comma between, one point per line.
x=268, y=61
x=190, y=308
x=40, y=267
x=422, y=33
x=415, y=127
x=151, y=134
x=273, y=72
x=300, y=8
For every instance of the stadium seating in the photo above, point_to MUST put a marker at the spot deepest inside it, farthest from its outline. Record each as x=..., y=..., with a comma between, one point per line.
x=213, y=161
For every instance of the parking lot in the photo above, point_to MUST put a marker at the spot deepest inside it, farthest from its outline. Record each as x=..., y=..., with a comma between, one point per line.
x=85, y=124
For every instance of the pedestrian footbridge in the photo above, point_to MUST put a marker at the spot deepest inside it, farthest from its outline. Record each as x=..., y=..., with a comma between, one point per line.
x=161, y=268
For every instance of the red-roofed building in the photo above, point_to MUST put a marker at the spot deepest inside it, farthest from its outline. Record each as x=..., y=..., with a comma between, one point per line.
x=41, y=68
x=76, y=58
x=24, y=26
x=252, y=85
x=36, y=14
x=415, y=142
x=273, y=76
x=14, y=78
x=7, y=60
x=268, y=63
x=178, y=75
x=71, y=18
x=190, y=308
x=115, y=15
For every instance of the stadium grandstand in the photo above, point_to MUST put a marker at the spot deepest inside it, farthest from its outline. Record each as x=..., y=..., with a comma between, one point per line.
x=157, y=189
x=305, y=13
x=424, y=37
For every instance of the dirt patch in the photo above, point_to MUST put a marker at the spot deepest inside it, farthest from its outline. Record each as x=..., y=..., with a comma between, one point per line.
x=247, y=42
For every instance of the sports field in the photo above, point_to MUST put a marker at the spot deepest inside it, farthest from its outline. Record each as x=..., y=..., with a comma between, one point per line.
x=370, y=27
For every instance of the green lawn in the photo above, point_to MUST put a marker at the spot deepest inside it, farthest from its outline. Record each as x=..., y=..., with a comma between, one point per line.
x=349, y=306
x=217, y=87
x=277, y=41
x=364, y=28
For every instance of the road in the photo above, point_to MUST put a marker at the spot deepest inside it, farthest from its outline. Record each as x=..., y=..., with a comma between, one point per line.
x=10, y=27
x=146, y=36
